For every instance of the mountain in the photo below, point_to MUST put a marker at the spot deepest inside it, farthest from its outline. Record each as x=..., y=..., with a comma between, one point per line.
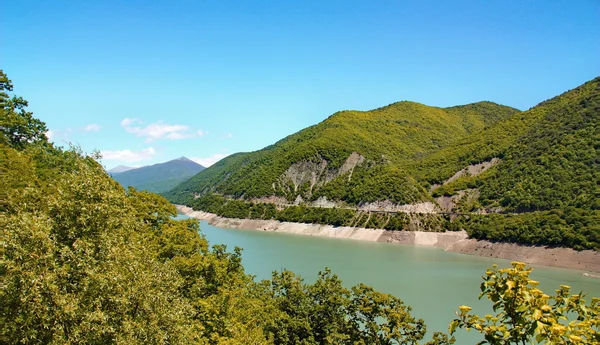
x=548, y=156
x=120, y=169
x=528, y=177
x=368, y=146
x=159, y=177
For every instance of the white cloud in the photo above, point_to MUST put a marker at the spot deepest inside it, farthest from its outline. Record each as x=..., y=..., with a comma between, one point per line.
x=208, y=161
x=228, y=135
x=59, y=135
x=128, y=155
x=127, y=121
x=177, y=135
x=92, y=128
x=201, y=133
x=157, y=130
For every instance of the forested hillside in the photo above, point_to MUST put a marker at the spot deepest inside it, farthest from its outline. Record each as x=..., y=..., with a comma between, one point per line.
x=546, y=184
x=540, y=176
x=160, y=177
x=372, y=146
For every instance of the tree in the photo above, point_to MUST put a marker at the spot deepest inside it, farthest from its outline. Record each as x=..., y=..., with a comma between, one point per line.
x=5, y=85
x=327, y=313
x=76, y=266
x=526, y=314
x=19, y=127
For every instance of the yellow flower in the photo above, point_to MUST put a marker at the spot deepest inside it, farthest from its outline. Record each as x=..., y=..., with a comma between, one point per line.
x=558, y=328
x=464, y=308
x=518, y=265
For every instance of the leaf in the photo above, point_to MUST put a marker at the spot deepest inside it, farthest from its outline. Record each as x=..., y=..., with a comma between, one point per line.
x=539, y=337
x=452, y=327
x=522, y=308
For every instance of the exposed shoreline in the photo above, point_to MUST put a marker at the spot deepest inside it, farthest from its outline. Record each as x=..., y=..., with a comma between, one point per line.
x=458, y=242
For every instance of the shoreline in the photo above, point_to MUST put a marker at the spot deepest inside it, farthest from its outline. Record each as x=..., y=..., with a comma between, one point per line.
x=457, y=242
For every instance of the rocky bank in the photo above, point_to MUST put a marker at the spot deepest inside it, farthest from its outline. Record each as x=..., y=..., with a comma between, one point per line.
x=587, y=260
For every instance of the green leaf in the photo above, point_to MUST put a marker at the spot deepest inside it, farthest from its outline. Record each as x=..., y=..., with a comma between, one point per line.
x=452, y=327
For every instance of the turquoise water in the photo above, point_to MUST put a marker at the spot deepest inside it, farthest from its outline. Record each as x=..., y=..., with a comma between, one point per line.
x=432, y=281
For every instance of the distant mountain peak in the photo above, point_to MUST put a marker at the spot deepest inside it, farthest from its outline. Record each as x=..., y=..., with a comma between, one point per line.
x=159, y=177
x=120, y=169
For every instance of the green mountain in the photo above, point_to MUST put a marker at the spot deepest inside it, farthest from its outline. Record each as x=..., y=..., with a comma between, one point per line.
x=370, y=146
x=528, y=177
x=160, y=177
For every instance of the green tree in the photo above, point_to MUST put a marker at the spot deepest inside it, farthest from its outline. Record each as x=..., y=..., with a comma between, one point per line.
x=76, y=268
x=525, y=314
x=327, y=313
x=18, y=125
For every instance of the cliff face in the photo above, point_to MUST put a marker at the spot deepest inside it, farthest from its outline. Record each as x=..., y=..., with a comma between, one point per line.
x=313, y=175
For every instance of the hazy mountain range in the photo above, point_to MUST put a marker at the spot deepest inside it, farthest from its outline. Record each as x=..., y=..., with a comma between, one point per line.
x=158, y=177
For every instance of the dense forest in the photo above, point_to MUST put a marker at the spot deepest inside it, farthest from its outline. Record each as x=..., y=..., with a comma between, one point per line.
x=395, y=134
x=86, y=262
x=541, y=190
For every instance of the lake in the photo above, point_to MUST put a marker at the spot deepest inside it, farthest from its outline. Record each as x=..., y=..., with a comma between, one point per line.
x=432, y=281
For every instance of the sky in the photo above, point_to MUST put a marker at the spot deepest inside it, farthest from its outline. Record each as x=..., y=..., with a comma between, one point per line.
x=145, y=82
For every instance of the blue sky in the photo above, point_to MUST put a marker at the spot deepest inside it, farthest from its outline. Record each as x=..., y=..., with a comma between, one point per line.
x=149, y=81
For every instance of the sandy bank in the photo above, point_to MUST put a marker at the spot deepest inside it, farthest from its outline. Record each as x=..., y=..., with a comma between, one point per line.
x=457, y=242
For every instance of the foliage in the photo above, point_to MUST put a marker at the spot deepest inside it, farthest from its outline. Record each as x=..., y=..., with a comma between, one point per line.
x=555, y=163
x=372, y=184
x=18, y=126
x=548, y=156
x=231, y=208
x=75, y=264
x=571, y=227
x=547, y=172
x=327, y=313
x=525, y=314
x=84, y=261
x=387, y=137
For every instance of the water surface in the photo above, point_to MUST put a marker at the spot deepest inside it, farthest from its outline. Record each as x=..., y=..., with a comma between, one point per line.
x=432, y=281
